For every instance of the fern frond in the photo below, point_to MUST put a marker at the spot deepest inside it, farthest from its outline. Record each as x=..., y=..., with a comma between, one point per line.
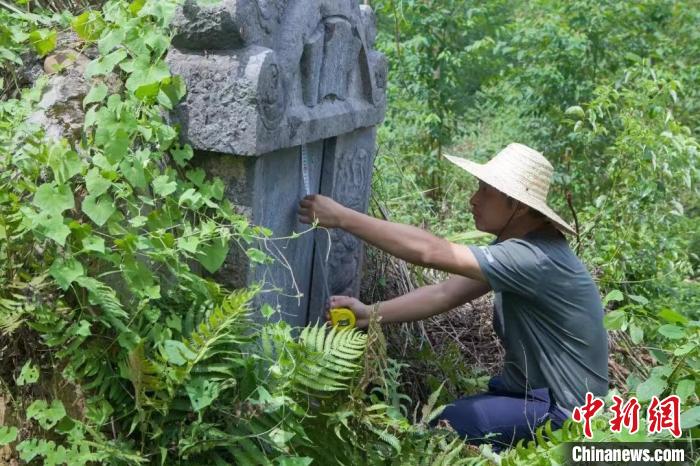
x=328, y=359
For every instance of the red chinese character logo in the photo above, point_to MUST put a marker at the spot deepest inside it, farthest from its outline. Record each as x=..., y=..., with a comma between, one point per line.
x=626, y=415
x=586, y=412
x=665, y=414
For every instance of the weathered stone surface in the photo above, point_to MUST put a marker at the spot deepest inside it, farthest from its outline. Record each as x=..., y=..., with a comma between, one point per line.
x=346, y=177
x=269, y=74
x=265, y=77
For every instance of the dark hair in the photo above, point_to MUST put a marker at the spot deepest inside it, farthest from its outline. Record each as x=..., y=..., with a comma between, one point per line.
x=536, y=214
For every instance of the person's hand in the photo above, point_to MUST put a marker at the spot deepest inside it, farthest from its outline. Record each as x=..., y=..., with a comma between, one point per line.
x=360, y=310
x=321, y=208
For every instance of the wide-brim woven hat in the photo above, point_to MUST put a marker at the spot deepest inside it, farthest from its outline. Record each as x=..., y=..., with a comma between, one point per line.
x=521, y=173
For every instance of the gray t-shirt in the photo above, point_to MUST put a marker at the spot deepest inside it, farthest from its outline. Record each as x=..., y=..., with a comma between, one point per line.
x=549, y=316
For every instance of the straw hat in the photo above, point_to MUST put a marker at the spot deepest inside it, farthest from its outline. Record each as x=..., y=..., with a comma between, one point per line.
x=521, y=173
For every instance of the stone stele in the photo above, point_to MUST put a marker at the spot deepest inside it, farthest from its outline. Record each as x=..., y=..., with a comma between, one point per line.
x=264, y=78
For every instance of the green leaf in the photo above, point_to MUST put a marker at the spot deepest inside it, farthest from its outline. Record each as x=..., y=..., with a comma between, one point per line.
x=280, y=437
x=295, y=461
x=614, y=295
x=105, y=64
x=671, y=331
x=146, y=76
x=202, y=392
x=672, y=316
x=212, y=256
x=111, y=39
x=43, y=41
x=97, y=93
x=117, y=147
x=685, y=388
x=188, y=243
x=636, y=333
x=95, y=183
x=88, y=25
x=182, y=154
x=64, y=163
x=47, y=416
x=54, y=199
x=176, y=352
x=653, y=386
x=690, y=418
x=54, y=228
x=575, y=111
x=8, y=434
x=163, y=186
x=172, y=90
x=94, y=243
x=615, y=320
x=28, y=375
x=99, y=209
x=66, y=272
x=256, y=255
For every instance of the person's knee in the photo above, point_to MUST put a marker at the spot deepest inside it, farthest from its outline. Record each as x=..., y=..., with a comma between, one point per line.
x=464, y=417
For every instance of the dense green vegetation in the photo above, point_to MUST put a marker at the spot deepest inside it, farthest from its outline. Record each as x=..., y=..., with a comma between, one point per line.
x=116, y=348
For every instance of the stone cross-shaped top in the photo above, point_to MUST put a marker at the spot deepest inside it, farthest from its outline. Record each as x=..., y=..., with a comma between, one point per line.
x=268, y=74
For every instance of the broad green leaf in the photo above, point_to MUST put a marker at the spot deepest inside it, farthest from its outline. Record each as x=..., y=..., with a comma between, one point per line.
x=88, y=25
x=188, y=243
x=105, y=64
x=117, y=147
x=163, y=186
x=8, y=434
x=690, y=418
x=575, y=111
x=43, y=41
x=111, y=39
x=614, y=295
x=202, y=392
x=97, y=93
x=182, y=155
x=615, y=320
x=66, y=272
x=280, y=437
x=653, y=386
x=256, y=255
x=54, y=227
x=64, y=162
x=94, y=243
x=674, y=332
x=99, y=209
x=176, y=352
x=636, y=333
x=672, y=316
x=95, y=183
x=28, y=375
x=172, y=90
x=212, y=256
x=54, y=199
x=685, y=388
x=146, y=76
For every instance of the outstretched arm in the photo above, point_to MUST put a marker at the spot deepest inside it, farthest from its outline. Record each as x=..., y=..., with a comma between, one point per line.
x=419, y=304
x=404, y=241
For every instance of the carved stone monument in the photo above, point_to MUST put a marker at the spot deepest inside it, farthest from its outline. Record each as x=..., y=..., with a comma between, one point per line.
x=266, y=78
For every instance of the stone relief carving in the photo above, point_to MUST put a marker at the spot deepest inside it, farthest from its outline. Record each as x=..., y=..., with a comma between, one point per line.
x=269, y=74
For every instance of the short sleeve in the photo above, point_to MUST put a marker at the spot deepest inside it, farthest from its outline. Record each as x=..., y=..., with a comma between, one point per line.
x=514, y=265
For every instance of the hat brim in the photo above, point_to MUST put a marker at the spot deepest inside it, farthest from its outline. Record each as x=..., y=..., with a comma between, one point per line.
x=486, y=175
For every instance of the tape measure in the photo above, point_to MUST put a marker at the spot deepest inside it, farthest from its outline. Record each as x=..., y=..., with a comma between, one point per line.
x=342, y=317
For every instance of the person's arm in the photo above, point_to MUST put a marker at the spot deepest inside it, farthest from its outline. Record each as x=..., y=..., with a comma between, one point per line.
x=407, y=242
x=420, y=303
